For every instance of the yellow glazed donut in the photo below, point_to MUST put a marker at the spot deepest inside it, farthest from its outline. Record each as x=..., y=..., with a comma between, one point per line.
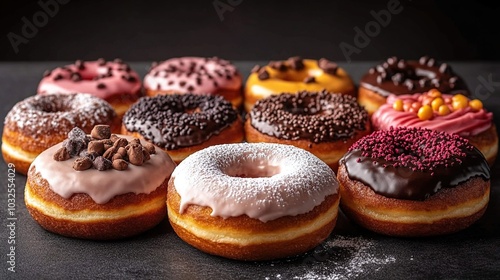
x=296, y=74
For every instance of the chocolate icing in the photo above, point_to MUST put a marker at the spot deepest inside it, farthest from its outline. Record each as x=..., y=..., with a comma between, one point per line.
x=397, y=76
x=391, y=177
x=179, y=120
x=315, y=116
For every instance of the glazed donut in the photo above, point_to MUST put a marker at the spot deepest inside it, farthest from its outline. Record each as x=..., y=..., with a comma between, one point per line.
x=39, y=122
x=322, y=123
x=414, y=182
x=296, y=74
x=113, y=81
x=102, y=193
x=253, y=201
x=195, y=75
x=443, y=112
x=182, y=124
x=398, y=76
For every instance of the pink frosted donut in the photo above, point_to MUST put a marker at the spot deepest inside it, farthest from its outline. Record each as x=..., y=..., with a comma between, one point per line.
x=253, y=201
x=195, y=75
x=113, y=81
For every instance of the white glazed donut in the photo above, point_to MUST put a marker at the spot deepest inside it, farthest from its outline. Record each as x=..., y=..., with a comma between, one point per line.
x=253, y=201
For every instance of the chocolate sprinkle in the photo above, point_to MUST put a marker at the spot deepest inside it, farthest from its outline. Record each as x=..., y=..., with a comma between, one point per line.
x=179, y=120
x=316, y=116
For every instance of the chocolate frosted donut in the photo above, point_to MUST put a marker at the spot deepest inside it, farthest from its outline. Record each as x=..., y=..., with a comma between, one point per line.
x=398, y=76
x=184, y=123
x=414, y=182
x=323, y=123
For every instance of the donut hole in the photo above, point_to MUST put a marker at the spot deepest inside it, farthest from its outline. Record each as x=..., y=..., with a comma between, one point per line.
x=252, y=169
x=51, y=107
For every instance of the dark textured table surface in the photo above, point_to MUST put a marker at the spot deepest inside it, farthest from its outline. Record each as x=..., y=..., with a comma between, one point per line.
x=350, y=252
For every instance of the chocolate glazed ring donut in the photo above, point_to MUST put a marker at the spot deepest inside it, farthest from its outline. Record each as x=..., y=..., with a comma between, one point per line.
x=322, y=123
x=184, y=123
x=414, y=182
x=398, y=76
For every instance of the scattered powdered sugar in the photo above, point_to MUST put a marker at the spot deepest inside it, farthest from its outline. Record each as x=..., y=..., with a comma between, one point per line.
x=341, y=257
x=217, y=177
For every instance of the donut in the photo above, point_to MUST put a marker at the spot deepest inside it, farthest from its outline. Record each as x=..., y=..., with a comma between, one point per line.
x=398, y=76
x=322, y=123
x=414, y=182
x=296, y=74
x=253, y=201
x=182, y=124
x=198, y=75
x=39, y=122
x=113, y=81
x=443, y=112
x=108, y=187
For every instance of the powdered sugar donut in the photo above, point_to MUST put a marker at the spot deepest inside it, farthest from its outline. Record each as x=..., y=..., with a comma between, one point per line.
x=253, y=201
x=39, y=122
x=195, y=75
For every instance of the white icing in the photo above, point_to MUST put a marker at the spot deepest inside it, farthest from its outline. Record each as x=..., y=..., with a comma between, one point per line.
x=293, y=180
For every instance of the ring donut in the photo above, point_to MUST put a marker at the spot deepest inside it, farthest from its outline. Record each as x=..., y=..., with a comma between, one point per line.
x=398, y=76
x=253, y=201
x=182, y=124
x=414, y=182
x=195, y=75
x=114, y=81
x=294, y=75
x=449, y=113
x=322, y=123
x=39, y=122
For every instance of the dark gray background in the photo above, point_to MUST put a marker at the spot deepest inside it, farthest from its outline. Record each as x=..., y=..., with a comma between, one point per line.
x=251, y=30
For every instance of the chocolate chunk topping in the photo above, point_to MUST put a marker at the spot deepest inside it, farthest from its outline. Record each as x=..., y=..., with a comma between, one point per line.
x=102, y=164
x=47, y=73
x=278, y=65
x=408, y=77
x=76, y=77
x=255, y=69
x=328, y=66
x=100, y=132
x=58, y=77
x=102, y=152
x=82, y=163
x=263, y=74
x=101, y=86
x=62, y=154
x=101, y=62
x=296, y=63
x=309, y=79
x=80, y=64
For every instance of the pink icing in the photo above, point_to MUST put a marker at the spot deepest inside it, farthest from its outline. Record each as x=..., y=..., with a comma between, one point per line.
x=261, y=180
x=464, y=122
x=103, y=185
x=193, y=74
x=103, y=79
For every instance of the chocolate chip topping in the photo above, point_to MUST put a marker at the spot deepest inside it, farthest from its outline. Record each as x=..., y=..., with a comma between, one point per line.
x=179, y=120
x=296, y=63
x=101, y=149
x=263, y=74
x=327, y=66
x=309, y=79
x=316, y=116
x=397, y=76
